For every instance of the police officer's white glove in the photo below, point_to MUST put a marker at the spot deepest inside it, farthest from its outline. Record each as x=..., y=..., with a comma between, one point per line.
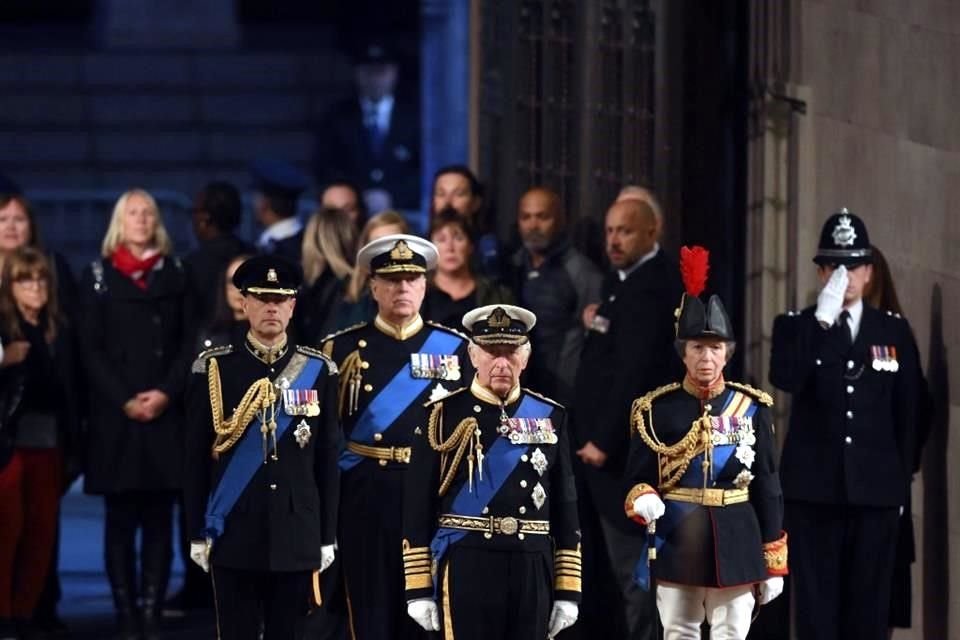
x=649, y=507
x=425, y=612
x=327, y=554
x=563, y=615
x=769, y=589
x=200, y=553
x=830, y=299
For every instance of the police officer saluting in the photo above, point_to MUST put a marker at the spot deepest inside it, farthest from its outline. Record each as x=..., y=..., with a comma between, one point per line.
x=848, y=454
x=704, y=471
x=263, y=483
x=491, y=543
x=388, y=369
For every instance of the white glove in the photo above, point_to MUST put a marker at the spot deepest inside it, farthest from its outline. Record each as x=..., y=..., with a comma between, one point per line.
x=425, y=612
x=327, y=553
x=563, y=615
x=769, y=589
x=200, y=553
x=830, y=300
x=649, y=507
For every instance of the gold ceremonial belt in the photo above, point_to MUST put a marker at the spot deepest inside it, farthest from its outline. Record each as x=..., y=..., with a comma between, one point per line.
x=383, y=454
x=490, y=525
x=708, y=497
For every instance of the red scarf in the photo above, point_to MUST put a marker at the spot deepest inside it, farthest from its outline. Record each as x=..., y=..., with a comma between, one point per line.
x=133, y=267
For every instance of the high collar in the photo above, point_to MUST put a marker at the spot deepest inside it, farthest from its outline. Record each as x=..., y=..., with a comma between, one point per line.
x=623, y=274
x=398, y=332
x=263, y=353
x=704, y=393
x=486, y=395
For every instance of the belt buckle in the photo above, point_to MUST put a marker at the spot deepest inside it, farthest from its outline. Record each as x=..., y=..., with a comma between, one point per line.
x=509, y=526
x=713, y=497
x=403, y=455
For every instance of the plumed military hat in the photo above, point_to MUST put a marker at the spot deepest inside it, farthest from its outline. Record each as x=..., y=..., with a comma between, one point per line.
x=499, y=324
x=268, y=274
x=694, y=318
x=398, y=253
x=844, y=240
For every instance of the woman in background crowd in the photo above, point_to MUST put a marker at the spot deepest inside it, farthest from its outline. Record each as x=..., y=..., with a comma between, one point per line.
x=229, y=322
x=881, y=294
x=137, y=347
x=329, y=246
x=357, y=304
x=39, y=418
x=457, y=187
x=454, y=287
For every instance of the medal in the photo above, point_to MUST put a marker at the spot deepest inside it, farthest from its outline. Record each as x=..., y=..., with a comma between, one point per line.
x=302, y=433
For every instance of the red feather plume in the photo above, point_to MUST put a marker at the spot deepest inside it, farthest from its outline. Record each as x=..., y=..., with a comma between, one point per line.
x=694, y=265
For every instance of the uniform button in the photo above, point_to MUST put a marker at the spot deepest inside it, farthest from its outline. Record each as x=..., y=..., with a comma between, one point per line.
x=523, y=484
x=272, y=370
x=364, y=365
x=156, y=319
x=849, y=388
x=362, y=343
x=208, y=343
x=520, y=536
x=849, y=415
x=368, y=388
x=848, y=440
x=476, y=408
x=158, y=353
x=488, y=535
x=378, y=437
x=707, y=407
x=522, y=510
x=819, y=362
x=486, y=510
x=273, y=487
x=524, y=458
x=849, y=364
x=383, y=463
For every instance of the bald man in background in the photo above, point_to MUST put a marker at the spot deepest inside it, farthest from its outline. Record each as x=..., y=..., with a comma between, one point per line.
x=628, y=352
x=556, y=282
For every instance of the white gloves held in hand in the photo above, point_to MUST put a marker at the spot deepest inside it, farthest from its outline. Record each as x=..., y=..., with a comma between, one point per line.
x=200, y=553
x=648, y=507
x=563, y=615
x=327, y=554
x=830, y=299
x=769, y=589
x=425, y=612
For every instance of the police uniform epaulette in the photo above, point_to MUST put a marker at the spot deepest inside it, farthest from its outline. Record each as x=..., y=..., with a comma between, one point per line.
x=200, y=364
x=759, y=395
x=430, y=403
x=544, y=398
x=644, y=402
x=893, y=314
x=437, y=325
x=336, y=334
x=316, y=353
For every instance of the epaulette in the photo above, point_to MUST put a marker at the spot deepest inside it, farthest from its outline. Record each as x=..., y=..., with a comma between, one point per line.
x=544, y=398
x=894, y=315
x=200, y=364
x=759, y=395
x=335, y=334
x=644, y=402
x=437, y=325
x=429, y=403
x=316, y=353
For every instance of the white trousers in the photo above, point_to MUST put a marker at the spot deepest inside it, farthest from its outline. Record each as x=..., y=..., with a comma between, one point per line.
x=683, y=609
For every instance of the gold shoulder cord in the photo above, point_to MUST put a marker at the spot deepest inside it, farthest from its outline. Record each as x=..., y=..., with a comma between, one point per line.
x=460, y=439
x=677, y=456
x=260, y=398
x=351, y=375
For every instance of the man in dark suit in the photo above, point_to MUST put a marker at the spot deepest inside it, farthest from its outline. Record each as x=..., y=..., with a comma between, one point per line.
x=277, y=187
x=628, y=352
x=848, y=454
x=373, y=138
x=262, y=482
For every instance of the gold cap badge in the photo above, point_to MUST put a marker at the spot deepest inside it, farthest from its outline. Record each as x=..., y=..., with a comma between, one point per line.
x=498, y=319
x=401, y=251
x=272, y=275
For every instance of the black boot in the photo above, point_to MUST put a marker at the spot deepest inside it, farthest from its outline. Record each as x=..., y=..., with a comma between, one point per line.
x=156, y=555
x=121, y=570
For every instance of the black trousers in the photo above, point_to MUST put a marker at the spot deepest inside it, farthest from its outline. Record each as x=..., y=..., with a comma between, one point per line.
x=247, y=601
x=495, y=594
x=841, y=567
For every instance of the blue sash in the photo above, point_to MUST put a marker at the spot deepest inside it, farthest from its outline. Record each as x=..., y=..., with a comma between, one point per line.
x=246, y=459
x=395, y=398
x=676, y=512
x=499, y=462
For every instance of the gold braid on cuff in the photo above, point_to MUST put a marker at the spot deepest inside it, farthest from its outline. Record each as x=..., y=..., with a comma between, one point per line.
x=775, y=556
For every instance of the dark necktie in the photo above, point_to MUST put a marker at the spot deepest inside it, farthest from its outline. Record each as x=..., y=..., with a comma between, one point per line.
x=843, y=326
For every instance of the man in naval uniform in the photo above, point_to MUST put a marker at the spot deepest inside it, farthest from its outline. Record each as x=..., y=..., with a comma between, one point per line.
x=262, y=480
x=848, y=454
x=491, y=544
x=705, y=482
x=389, y=368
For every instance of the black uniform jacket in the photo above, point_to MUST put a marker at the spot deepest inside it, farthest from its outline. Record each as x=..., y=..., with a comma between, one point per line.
x=133, y=340
x=371, y=355
x=712, y=546
x=851, y=433
x=540, y=487
x=289, y=507
x=633, y=356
